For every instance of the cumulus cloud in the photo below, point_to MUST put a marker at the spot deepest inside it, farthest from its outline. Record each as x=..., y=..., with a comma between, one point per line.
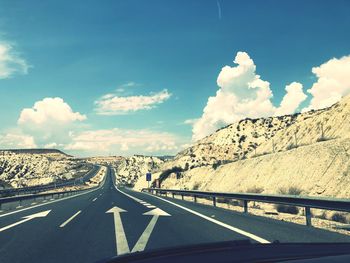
x=242, y=93
x=16, y=141
x=112, y=104
x=292, y=99
x=49, y=120
x=120, y=140
x=49, y=111
x=333, y=82
x=10, y=61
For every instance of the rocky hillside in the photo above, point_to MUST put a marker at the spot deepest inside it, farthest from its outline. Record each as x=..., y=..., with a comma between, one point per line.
x=253, y=137
x=319, y=169
x=22, y=168
x=105, y=160
x=317, y=126
x=309, y=150
x=135, y=167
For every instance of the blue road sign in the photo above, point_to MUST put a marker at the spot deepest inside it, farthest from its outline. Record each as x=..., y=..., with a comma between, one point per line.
x=148, y=177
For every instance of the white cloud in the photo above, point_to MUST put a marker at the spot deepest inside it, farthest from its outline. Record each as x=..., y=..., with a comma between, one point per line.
x=50, y=120
x=190, y=121
x=51, y=145
x=292, y=99
x=242, y=93
x=10, y=61
x=125, y=141
x=16, y=141
x=49, y=111
x=333, y=83
x=112, y=104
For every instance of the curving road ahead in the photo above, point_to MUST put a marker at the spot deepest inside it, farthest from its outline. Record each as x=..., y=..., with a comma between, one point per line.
x=97, y=225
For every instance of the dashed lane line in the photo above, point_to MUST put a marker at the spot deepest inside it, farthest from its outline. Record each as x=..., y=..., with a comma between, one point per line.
x=70, y=219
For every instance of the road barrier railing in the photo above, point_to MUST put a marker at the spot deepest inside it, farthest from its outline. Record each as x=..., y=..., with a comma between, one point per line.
x=52, y=194
x=307, y=203
x=41, y=188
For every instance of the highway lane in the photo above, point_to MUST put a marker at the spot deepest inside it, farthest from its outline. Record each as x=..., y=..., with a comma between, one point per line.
x=81, y=229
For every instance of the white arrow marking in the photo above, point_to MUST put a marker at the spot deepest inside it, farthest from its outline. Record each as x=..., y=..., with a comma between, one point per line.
x=26, y=218
x=142, y=242
x=122, y=243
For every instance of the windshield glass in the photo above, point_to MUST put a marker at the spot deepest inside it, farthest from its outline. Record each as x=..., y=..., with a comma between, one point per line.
x=132, y=126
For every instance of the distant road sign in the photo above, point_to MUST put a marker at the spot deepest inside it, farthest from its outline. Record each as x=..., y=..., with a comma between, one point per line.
x=148, y=177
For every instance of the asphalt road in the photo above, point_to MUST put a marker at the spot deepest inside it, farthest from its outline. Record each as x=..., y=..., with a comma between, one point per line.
x=103, y=223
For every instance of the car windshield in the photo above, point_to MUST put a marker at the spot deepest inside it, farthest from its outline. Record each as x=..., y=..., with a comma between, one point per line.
x=135, y=126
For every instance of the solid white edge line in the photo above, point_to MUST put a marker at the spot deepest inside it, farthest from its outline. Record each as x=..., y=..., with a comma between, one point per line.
x=70, y=219
x=57, y=200
x=132, y=197
x=215, y=221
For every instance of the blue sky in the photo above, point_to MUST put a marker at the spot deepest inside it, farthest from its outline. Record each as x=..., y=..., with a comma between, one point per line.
x=81, y=50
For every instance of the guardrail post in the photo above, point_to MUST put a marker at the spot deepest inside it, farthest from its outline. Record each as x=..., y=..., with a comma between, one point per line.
x=195, y=199
x=245, y=205
x=173, y=195
x=214, y=201
x=182, y=196
x=308, y=216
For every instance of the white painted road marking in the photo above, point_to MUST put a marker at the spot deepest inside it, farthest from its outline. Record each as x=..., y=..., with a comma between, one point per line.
x=136, y=199
x=142, y=242
x=132, y=197
x=94, y=199
x=27, y=218
x=122, y=243
x=70, y=219
x=54, y=201
x=215, y=221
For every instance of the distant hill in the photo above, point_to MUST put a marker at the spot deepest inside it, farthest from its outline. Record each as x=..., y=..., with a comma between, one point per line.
x=35, y=151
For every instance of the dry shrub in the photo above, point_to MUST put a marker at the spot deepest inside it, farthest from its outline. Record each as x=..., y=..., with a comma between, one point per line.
x=289, y=209
x=339, y=217
x=255, y=189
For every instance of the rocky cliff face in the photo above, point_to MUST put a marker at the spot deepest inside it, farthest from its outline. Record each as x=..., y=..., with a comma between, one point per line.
x=252, y=137
x=309, y=150
x=20, y=169
x=135, y=167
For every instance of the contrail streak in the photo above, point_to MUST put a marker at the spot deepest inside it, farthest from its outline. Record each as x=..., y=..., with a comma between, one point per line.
x=219, y=9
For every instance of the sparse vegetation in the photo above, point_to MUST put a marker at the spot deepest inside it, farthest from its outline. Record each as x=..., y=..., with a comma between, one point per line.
x=291, y=146
x=323, y=139
x=216, y=165
x=288, y=208
x=292, y=190
x=196, y=186
x=165, y=174
x=255, y=189
x=339, y=217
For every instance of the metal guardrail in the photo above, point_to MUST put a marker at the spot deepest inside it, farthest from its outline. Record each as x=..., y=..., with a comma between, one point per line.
x=40, y=188
x=21, y=198
x=332, y=204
